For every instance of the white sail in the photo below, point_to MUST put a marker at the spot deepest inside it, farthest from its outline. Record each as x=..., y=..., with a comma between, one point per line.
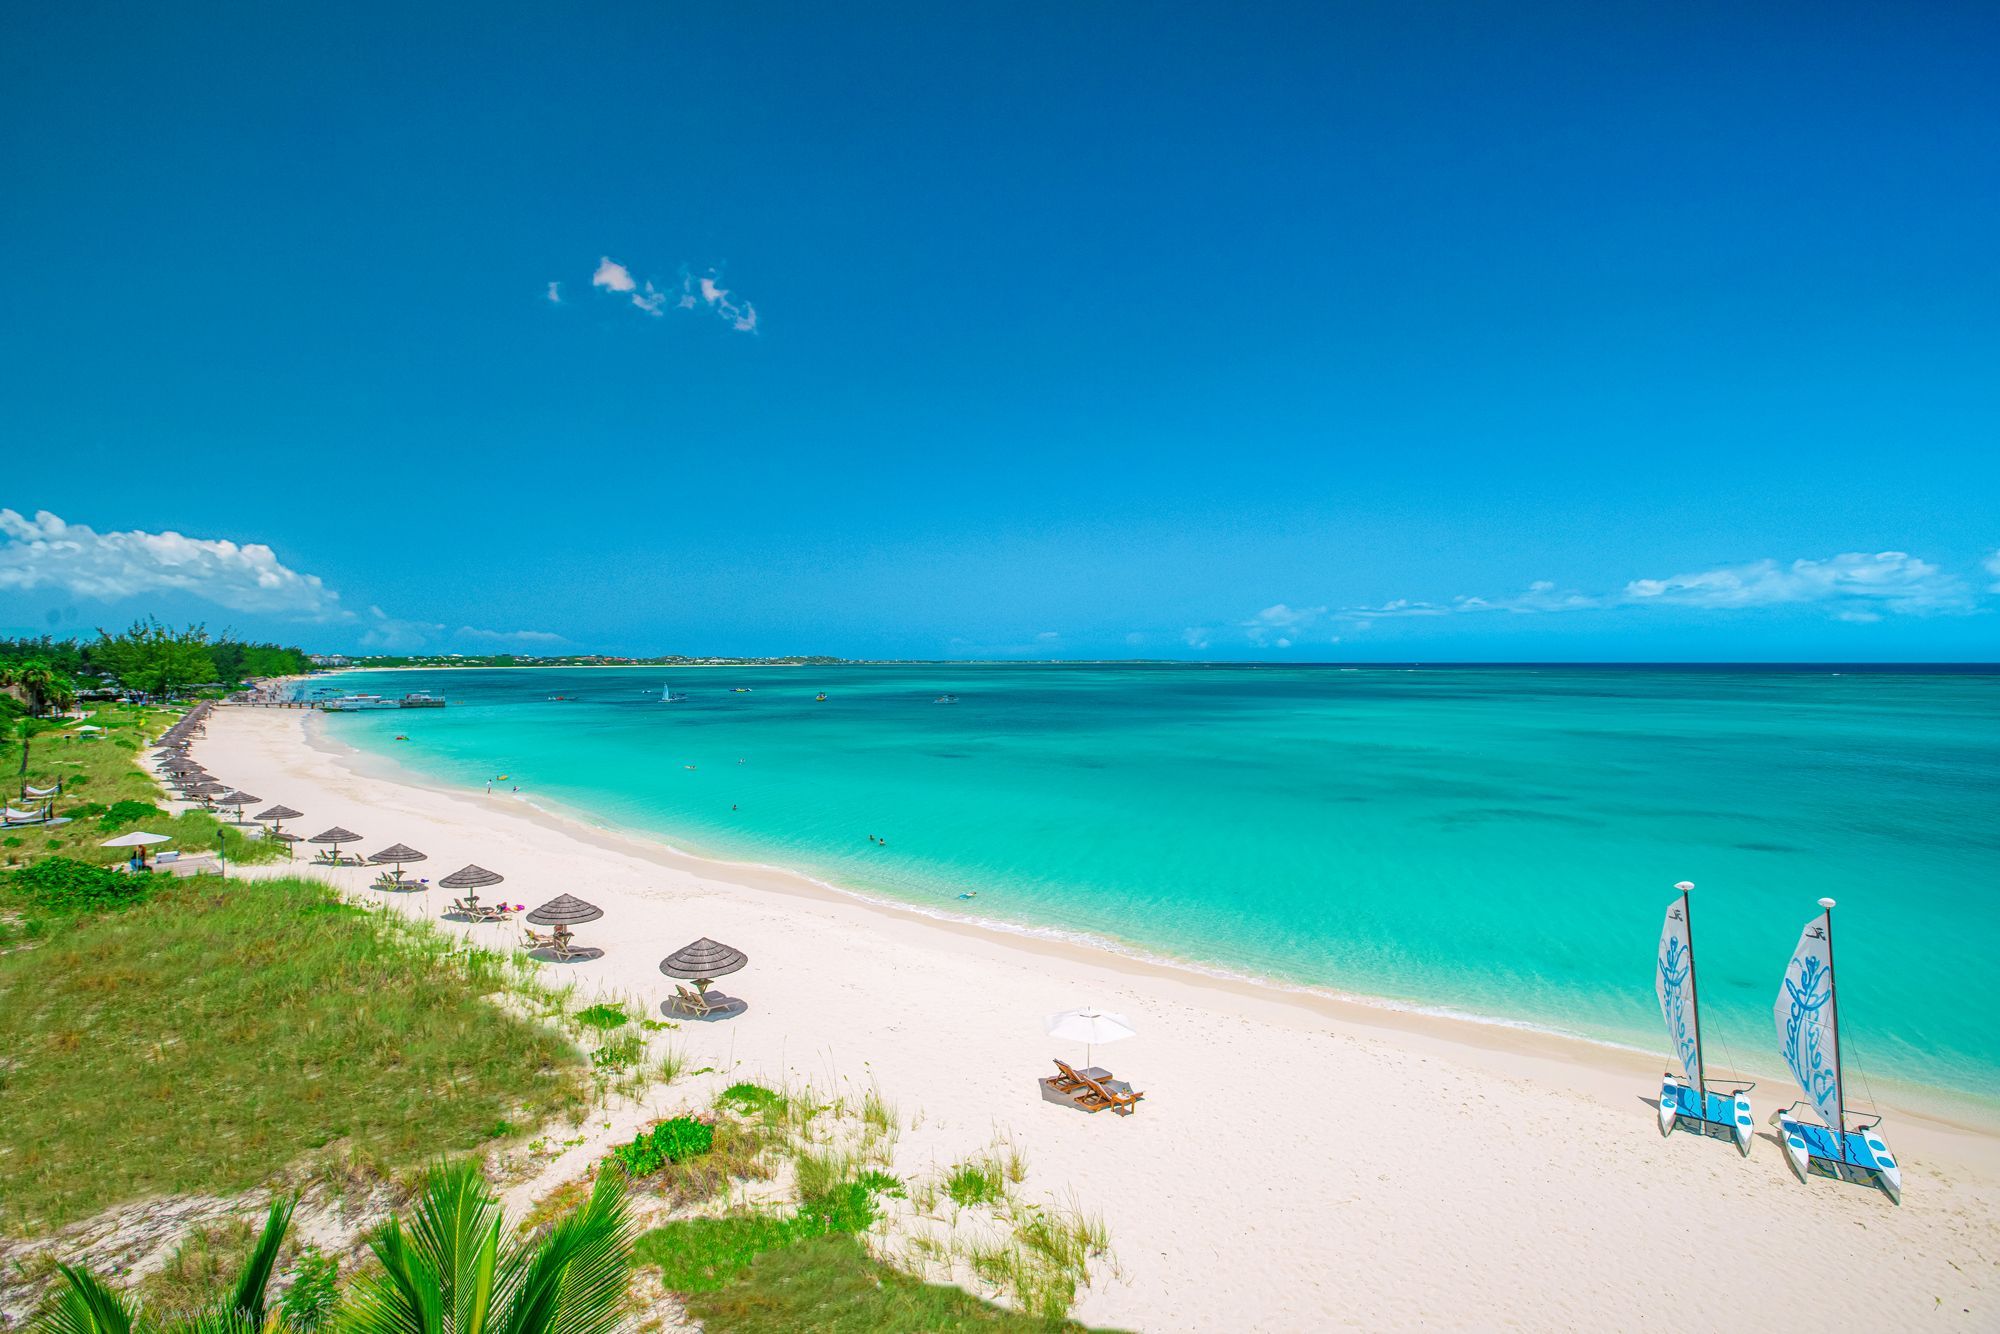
x=1675, y=983
x=1807, y=1036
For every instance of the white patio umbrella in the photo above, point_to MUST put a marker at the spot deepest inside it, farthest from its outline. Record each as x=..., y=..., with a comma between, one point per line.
x=138, y=838
x=1090, y=1026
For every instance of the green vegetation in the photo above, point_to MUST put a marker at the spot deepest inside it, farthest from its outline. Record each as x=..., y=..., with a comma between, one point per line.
x=672, y=1141
x=64, y=886
x=751, y=1098
x=831, y=1284
x=451, y=1272
x=218, y=1032
x=603, y=1016
x=975, y=1183
x=43, y=686
x=86, y=1305
x=152, y=657
x=455, y=1271
x=703, y=1254
x=107, y=793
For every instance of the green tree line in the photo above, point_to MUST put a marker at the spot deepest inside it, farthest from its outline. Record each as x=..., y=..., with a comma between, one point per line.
x=148, y=656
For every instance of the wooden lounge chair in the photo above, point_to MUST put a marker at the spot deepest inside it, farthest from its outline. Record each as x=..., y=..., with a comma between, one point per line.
x=689, y=1001
x=555, y=942
x=1094, y=1095
x=1065, y=1080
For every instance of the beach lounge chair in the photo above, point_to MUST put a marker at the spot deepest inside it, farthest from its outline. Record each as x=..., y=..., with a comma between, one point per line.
x=555, y=942
x=1065, y=1080
x=1095, y=1094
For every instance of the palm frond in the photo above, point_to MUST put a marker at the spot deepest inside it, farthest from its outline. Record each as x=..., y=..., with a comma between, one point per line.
x=454, y=1213
x=251, y=1285
x=404, y=1298
x=86, y=1306
x=574, y=1281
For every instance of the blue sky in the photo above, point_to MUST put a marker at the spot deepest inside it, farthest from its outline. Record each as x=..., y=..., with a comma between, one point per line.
x=1328, y=331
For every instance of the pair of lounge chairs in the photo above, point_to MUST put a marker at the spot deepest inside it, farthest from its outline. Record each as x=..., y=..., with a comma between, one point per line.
x=558, y=943
x=1092, y=1093
x=480, y=912
x=703, y=1005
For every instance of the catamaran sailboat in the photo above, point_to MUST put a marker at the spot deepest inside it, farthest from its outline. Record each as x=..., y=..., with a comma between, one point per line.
x=667, y=695
x=1689, y=1104
x=1808, y=1018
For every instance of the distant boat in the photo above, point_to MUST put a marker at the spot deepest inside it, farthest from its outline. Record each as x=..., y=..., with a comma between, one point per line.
x=1808, y=1019
x=820, y=697
x=1688, y=1104
x=945, y=699
x=739, y=690
x=667, y=695
x=356, y=703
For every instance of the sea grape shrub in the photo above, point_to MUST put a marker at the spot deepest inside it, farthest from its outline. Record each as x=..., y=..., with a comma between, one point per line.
x=672, y=1141
x=63, y=884
x=122, y=812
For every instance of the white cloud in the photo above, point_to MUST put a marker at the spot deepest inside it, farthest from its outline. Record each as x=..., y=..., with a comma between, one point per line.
x=1886, y=580
x=650, y=300
x=742, y=316
x=395, y=634
x=555, y=293
x=1992, y=567
x=511, y=636
x=1261, y=628
x=697, y=292
x=45, y=552
x=1047, y=637
x=612, y=276
x=1854, y=586
x=1196, y=636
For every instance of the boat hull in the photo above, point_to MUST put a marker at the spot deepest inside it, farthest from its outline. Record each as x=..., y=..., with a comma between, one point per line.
x=1717, y=1115
x=1860, y=1156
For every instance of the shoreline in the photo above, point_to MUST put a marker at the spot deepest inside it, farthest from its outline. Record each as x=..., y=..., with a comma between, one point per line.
x=1296, y=1155
x=1954, y=1108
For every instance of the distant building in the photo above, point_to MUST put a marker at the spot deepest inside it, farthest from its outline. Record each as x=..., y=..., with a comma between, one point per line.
x=328, y=660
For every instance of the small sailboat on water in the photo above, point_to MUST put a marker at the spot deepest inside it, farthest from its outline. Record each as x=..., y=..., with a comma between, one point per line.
x=667, y=695
x=1688, y=1103
x=1808, y=1019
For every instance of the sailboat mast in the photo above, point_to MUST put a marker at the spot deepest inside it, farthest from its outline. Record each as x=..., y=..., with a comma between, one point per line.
x=1833, y=1009
x=1694, y=997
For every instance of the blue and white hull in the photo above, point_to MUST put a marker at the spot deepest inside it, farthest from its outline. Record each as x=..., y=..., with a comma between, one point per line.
x=1717, y=1115
x=1860, y=1156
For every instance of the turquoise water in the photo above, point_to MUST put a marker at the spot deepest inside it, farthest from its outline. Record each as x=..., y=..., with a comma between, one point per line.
x=1497, y=841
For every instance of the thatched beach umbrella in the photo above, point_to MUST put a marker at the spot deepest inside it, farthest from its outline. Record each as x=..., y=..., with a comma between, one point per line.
x=277, y=815
x=471, y=879
x=563, y=912
x=395, y=855
x=333, y=838
x=237, y=801
x=703, y=961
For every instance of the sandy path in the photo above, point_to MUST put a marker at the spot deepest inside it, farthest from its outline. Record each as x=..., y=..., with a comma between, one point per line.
x=1300, y=1163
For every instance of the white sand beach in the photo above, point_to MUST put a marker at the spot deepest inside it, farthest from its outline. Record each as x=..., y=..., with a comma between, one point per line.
x=1299, y=1162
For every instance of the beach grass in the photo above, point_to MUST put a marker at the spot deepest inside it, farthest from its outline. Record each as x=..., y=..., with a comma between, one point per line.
x=220, y=1033
x=833, y=1284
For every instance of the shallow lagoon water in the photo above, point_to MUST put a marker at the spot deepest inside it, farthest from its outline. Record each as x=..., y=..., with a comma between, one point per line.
x=1495, y=841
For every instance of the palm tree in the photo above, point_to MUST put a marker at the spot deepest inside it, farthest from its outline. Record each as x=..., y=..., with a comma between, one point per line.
x=87, y=1306
x=452, y=1272
x=40, y=684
